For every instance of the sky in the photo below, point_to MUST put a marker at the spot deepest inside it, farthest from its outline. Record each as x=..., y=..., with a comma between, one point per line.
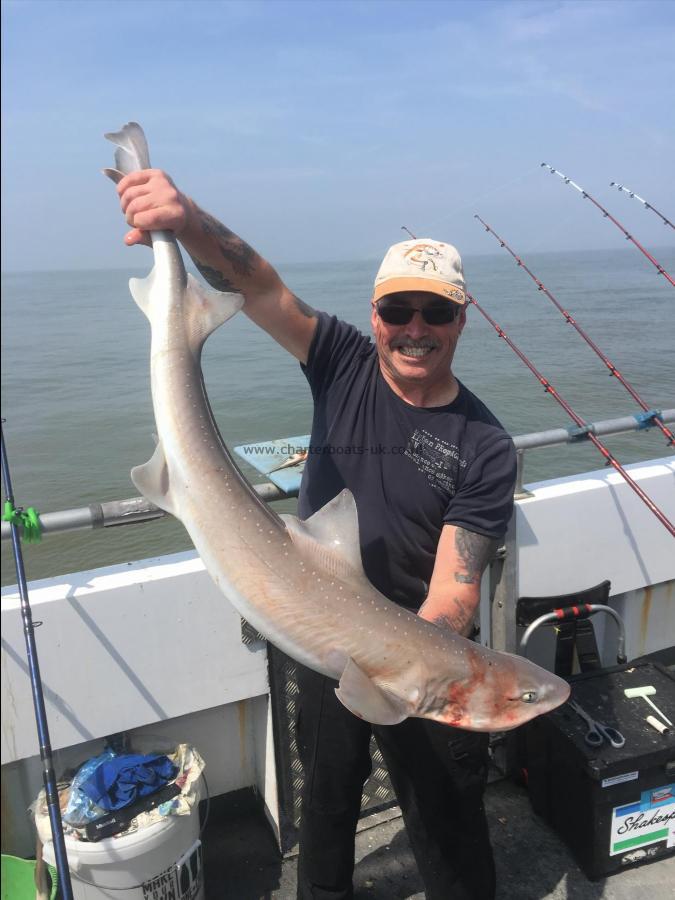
x=317, y=129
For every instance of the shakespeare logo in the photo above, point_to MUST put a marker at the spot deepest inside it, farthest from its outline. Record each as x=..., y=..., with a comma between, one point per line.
x=423, y=255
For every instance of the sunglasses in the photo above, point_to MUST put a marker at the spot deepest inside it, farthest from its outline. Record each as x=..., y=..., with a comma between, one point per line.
x=400, y=313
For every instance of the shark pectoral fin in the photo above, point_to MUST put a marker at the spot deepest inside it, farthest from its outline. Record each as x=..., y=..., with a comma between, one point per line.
x=205, y=310
x=330, y=538
x=365, y=699
x=152, y=480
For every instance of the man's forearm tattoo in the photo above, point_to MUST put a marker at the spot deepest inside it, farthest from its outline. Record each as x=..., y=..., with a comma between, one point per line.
x=459, y=620
x=242, y=258
x=304, y=308
x=475, y=551
x=215, y=277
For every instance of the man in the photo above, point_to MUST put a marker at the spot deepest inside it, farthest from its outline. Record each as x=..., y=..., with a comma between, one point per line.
x=432, y=472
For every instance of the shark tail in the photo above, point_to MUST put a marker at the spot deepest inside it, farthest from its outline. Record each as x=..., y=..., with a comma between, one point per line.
x=132, y=152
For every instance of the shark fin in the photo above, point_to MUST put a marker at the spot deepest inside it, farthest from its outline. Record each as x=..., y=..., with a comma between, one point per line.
x=132, y=148
x=152, y=480
x=113, y=174
x=365, y=699
x=205, y=310
x=140, y=290
x=330, y=538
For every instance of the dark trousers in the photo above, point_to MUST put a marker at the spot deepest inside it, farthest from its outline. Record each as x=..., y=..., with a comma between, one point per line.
x=439, y=775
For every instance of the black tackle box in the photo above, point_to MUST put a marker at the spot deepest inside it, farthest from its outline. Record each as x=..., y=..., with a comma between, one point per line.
x=612, y=807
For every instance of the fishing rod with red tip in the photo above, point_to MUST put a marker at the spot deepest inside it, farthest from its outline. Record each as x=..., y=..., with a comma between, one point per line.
x=578, y=421
x=609, y=216
x=625, y=190
x=654, y=415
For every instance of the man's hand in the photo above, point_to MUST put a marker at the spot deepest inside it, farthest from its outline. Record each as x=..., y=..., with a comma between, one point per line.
x=454, y=592
x=150, y=201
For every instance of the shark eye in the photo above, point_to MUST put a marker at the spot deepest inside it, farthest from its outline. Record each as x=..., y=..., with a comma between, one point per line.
x=529, y=697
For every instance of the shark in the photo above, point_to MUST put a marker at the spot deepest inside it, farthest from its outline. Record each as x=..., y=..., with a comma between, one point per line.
x=301, y=584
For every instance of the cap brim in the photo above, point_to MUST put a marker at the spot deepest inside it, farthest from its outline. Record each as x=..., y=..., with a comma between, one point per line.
x=428, y=285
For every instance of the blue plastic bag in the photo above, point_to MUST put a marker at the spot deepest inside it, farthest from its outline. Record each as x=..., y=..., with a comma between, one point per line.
x=80, y=808
x=118, y=782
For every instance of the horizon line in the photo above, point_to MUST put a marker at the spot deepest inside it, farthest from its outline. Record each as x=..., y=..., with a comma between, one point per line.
x=327, y=262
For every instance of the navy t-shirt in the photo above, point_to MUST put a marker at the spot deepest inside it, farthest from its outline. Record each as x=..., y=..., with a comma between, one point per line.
x=411, y=469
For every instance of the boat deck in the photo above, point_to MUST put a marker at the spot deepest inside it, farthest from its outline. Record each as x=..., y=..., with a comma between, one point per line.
x=242, y=861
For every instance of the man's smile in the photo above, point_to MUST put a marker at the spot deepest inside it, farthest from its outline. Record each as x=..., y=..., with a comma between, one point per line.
x=414, y=349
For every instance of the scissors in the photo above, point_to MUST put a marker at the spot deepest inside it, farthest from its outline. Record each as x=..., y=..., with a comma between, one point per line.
x=597, y=731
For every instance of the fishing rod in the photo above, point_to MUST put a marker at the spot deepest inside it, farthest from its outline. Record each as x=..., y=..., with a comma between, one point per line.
x=578, y=421
x=625, y=190
x=608, y=215
x=584, y=427
x=653, y=414
x=48, y=774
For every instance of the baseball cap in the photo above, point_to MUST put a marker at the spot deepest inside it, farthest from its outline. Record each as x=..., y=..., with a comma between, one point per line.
x=421, y=265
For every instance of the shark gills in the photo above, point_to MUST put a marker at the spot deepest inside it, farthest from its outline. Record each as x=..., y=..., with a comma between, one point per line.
x=300, y=584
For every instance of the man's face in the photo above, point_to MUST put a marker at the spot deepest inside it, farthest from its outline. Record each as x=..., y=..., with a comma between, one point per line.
x=416, y=353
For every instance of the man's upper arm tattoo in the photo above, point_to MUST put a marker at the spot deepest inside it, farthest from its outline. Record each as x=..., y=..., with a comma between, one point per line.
x=475, y=551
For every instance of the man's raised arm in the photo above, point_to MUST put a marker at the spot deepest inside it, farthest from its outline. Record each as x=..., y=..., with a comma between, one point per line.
x=151, y=202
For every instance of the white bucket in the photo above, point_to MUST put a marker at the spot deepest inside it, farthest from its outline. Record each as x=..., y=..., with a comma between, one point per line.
x=161, y=861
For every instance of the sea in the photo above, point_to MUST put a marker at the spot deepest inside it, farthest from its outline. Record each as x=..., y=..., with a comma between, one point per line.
x=76, y=386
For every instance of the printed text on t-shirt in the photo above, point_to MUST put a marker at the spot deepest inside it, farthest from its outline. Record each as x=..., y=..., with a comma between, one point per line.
x=439, y=460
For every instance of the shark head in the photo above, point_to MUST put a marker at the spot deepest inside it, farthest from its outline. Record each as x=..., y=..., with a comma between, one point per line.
x=497, y=697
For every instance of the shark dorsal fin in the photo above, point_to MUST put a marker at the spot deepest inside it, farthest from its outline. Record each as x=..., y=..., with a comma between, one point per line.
x=330, y=538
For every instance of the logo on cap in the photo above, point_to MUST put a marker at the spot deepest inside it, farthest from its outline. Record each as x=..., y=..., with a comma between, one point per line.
x=422, y=255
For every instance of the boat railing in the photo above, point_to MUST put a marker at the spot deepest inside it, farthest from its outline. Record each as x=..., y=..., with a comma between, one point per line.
x=137, y=509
